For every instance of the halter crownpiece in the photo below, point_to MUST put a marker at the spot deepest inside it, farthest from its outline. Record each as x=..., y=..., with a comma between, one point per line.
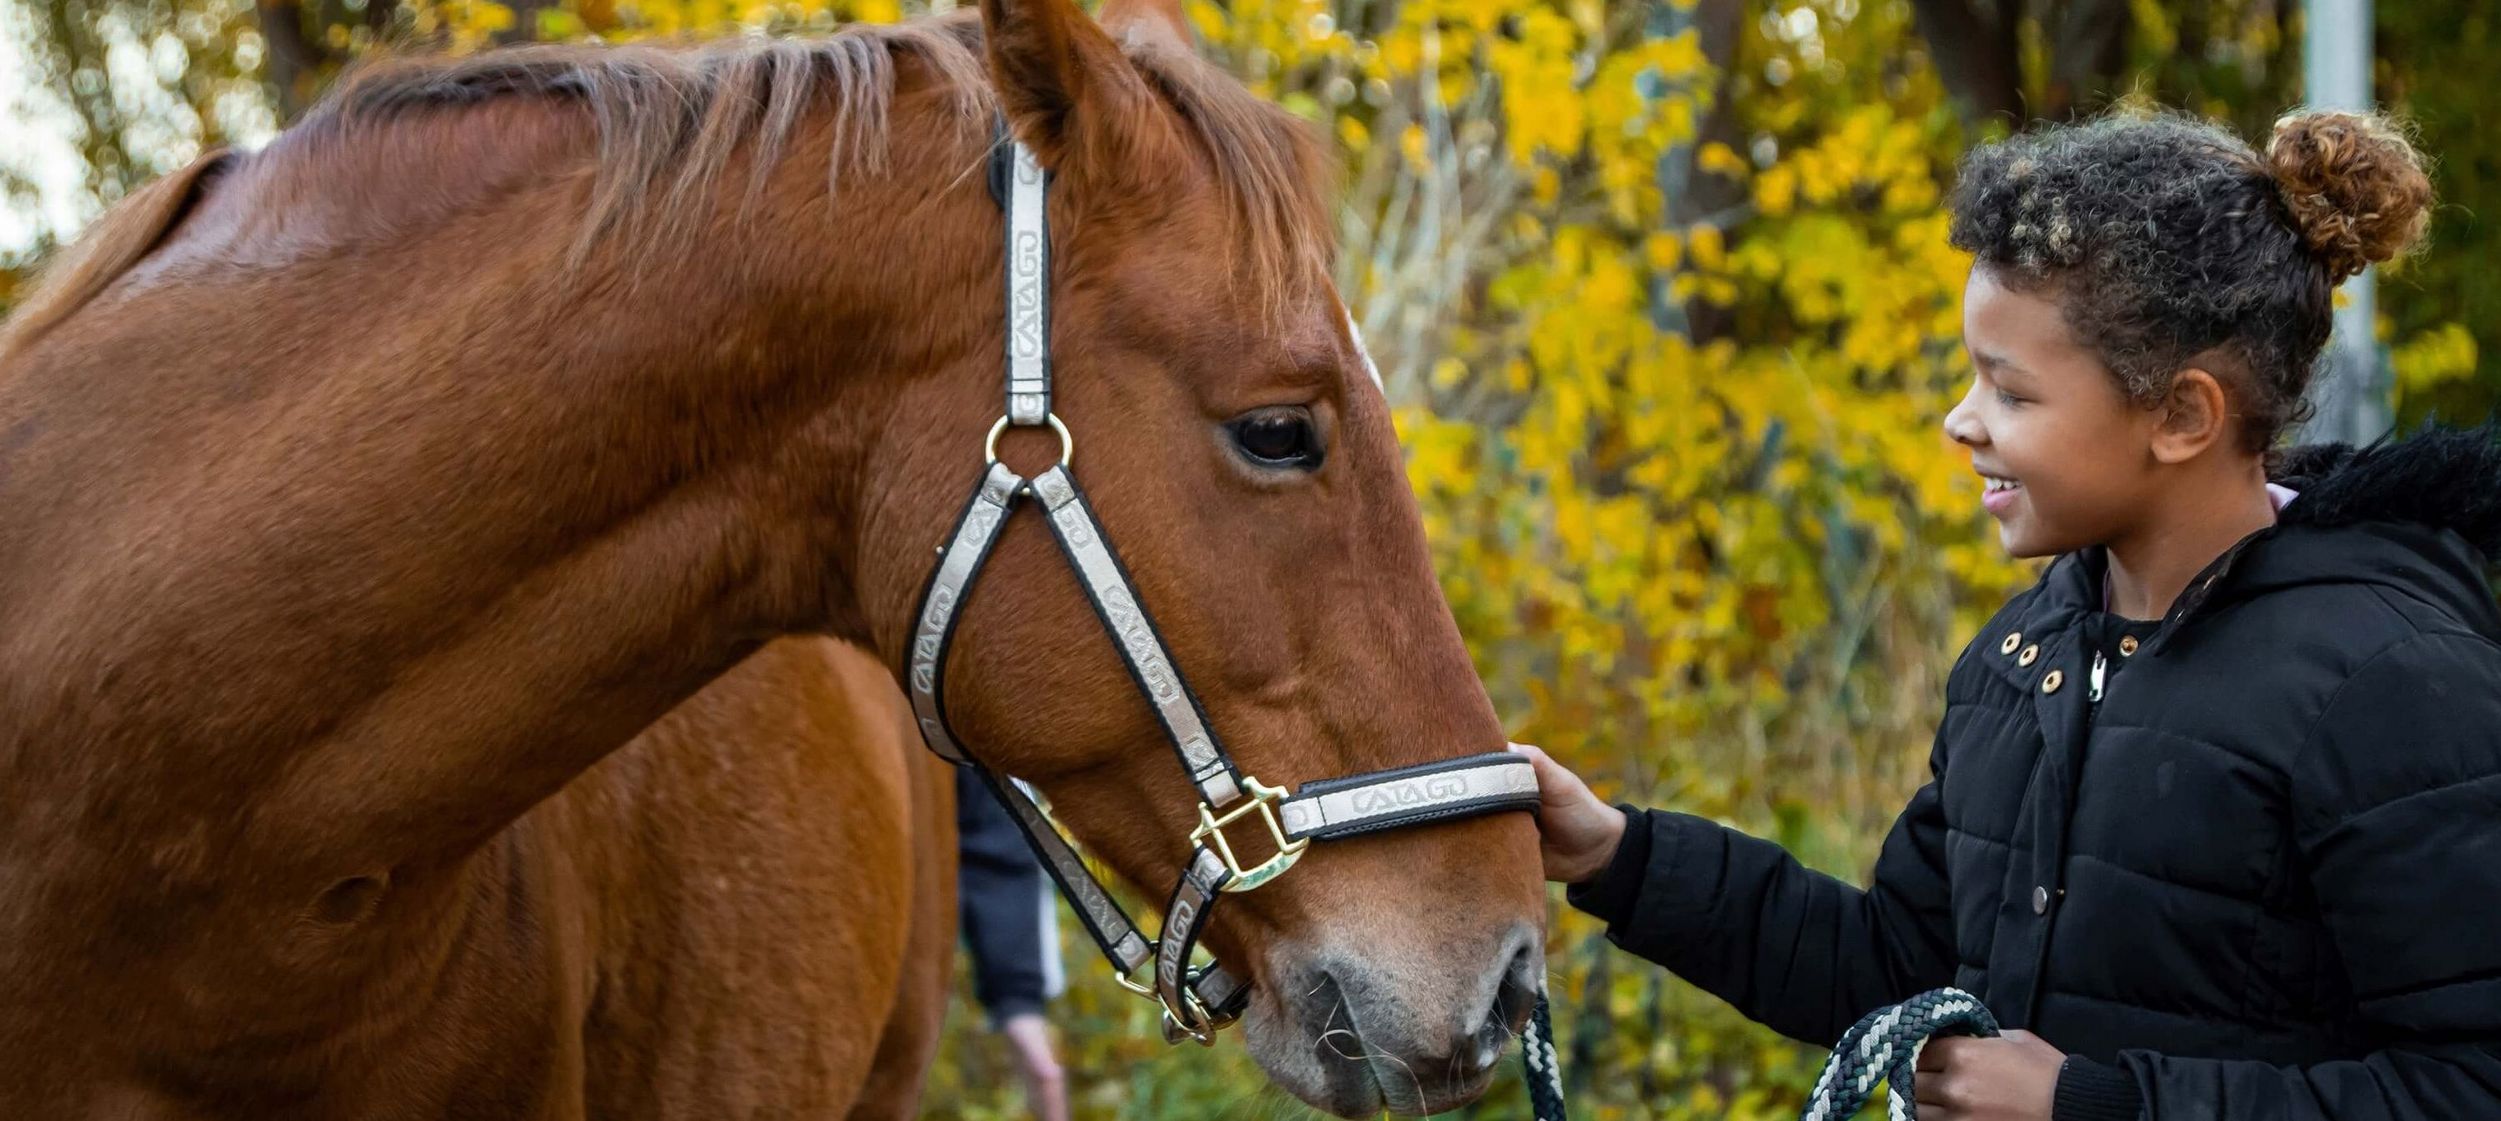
x=1028, y=291
x=1196, y=1000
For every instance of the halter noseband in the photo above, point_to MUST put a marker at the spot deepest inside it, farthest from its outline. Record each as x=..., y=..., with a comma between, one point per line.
x=1196, y=1001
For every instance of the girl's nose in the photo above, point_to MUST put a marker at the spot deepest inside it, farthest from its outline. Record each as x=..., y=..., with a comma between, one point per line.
x=1962, y=423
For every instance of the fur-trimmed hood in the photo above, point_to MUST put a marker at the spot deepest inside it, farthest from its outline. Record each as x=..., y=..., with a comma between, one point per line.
x=2443, y=478
x=2419, y=517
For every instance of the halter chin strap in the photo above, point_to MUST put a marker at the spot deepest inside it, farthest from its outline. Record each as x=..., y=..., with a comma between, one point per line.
x=1196, y=1000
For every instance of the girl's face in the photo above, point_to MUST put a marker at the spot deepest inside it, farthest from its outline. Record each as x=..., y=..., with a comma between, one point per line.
x=2067, y=459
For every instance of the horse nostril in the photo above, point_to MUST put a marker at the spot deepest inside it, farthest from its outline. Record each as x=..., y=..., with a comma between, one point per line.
x=1522, y=977
x=1515, y=993
x=1514, y=998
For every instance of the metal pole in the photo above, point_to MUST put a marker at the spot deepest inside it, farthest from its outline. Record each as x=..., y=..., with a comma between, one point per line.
x=2354, y=389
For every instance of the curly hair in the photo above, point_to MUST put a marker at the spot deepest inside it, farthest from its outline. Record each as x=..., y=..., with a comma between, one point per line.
x=2163, y=238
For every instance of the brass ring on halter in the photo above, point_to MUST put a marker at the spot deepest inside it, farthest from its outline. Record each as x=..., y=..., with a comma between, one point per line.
x=1175, y=1031
x=1067, y=443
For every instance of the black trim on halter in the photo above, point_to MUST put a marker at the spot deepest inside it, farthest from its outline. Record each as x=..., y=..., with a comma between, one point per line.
x=1002, y=161
x=1474, y=808
x=1417, y=770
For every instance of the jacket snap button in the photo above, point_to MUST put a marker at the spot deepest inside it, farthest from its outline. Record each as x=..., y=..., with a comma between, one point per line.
x=2127, y=645
x=2051, y=683
x=2012, y=641
x=2040, y=901
x=2031, y=654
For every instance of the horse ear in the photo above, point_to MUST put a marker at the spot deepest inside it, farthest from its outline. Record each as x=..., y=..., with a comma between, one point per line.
x=1053, y=67
x=1149, y=21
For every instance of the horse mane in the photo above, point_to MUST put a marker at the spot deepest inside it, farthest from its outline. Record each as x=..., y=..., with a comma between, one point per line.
x=670, y=119
x=128, y=232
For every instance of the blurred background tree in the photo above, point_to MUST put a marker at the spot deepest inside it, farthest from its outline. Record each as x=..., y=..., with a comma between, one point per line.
x=1662, y=298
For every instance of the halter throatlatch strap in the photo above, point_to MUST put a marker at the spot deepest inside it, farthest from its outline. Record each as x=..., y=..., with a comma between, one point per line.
x=1196, y=1000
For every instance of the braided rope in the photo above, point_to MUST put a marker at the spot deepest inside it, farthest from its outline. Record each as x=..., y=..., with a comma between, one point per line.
x=1537, y=1059
x=1884, y=1047
x=1544, y=1072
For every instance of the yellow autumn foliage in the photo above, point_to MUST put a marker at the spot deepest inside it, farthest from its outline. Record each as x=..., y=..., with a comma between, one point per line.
x=1679, y=463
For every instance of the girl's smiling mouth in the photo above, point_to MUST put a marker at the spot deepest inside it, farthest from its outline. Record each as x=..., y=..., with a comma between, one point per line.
x=2000, y=492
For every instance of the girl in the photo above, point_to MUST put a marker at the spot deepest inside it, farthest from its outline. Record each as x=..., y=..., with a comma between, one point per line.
x=2214, y=813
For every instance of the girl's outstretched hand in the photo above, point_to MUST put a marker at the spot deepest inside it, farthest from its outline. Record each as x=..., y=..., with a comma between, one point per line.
x=1579, y=832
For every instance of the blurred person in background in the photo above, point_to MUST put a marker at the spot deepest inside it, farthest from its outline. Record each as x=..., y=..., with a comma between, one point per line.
x=1004, y=905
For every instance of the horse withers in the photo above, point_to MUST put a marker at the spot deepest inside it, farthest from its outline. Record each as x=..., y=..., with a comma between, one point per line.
x=364, y=498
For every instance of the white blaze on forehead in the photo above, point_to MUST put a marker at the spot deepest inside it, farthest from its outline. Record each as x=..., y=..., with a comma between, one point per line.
x=1355, y=332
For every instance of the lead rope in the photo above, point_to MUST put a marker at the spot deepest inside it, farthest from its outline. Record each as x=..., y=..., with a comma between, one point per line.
x=1884, y=1047
x=1538, y=1065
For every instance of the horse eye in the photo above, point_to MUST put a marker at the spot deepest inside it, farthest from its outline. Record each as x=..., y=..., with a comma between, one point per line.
x=1278, y=438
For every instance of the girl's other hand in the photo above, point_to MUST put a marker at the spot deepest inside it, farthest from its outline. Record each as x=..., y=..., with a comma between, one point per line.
x=2013, y=1077
x=1578, y=833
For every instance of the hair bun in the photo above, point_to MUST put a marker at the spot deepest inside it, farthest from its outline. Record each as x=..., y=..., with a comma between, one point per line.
x=2357, y=188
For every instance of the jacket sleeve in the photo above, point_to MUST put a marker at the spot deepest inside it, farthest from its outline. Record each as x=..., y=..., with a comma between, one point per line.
x=1796, y=950
x=2397, y=806
x=1000, y=901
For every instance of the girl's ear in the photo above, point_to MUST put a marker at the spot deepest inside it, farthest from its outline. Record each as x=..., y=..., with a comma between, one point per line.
x=2195, y=415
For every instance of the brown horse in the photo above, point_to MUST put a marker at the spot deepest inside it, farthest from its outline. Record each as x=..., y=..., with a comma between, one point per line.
x=363, y=499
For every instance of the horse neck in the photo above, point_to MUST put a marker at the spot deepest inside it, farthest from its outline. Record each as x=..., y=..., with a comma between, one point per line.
x=446, y=561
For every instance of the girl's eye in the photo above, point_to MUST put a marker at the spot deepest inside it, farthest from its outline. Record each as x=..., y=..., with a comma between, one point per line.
x=2008, y=399
x=1278, y=438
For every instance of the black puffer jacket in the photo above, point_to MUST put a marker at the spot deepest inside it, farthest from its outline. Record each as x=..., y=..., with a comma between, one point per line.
x=2259, y=879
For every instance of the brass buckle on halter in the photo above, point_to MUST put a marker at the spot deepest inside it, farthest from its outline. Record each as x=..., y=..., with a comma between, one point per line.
x=1174, y=1021
x=1264, y=800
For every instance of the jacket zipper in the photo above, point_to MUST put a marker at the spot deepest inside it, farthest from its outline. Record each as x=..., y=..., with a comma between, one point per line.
x=2093, y=680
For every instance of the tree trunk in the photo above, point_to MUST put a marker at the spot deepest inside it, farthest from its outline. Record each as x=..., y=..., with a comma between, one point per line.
x=1695, y=196
x=1978, y=55
x=2088, y=52
x=297, y=60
